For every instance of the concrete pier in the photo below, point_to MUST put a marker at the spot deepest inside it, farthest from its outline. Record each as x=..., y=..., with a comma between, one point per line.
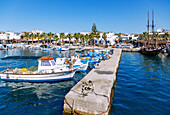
x=93, y=94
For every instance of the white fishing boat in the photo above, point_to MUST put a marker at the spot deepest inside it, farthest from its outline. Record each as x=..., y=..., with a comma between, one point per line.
x=35, y=47
x=3, y=46
x=65, y=48
x=77, y=63
x=46, y=47
x=47, y=72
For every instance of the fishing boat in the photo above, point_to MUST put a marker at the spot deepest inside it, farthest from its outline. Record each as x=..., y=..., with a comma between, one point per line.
x=78, y=63
x=3, y=46
x=65, y=48
x=74, y=60
x=47, y=72
x=79, y=51
x=46, y=47
x=35, y=47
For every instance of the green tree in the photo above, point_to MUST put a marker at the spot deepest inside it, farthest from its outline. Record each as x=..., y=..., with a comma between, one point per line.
x=156, y=36
x=104, y=36
x=76, y=36
x=69, y=36
x=94, y=28
x=166, y=35
x=27, y=36
x=91, y=37
x=43, y=36
x=86, y=37
x=62, y=36
x=33, y=36
x=38, y=37
x=97, y=35
x=56, y=38
x=141, y=36
x=119, y=35
x=145, y=35
x=50, y=35
x=82, y=37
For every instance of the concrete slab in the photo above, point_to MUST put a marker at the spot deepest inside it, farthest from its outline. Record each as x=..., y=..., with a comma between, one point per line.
x=97, y=98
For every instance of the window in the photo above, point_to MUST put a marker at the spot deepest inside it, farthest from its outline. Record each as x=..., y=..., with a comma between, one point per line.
x=53, y=63
x=45, y=64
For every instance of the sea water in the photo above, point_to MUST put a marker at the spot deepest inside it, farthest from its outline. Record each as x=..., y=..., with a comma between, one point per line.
x=142, y=86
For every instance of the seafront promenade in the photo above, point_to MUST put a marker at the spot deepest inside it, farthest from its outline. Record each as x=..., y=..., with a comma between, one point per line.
x=93, y=94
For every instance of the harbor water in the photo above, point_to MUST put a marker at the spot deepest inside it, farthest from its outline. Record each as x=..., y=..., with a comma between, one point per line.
x=142, y=86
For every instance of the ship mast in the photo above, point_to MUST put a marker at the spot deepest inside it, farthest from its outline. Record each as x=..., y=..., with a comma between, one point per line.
x=148, y=28
x=153, y=28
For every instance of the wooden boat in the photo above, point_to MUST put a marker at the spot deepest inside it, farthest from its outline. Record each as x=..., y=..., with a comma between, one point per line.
x=150, y=51
x=47, y=72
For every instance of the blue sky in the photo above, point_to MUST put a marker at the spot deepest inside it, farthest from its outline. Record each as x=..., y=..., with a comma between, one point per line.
x=129, y=16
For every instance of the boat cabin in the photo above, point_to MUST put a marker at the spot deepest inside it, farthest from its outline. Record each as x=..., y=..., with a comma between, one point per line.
x=46, y=63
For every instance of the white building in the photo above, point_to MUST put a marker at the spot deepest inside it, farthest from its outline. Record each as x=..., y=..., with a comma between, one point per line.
x=9, y=36
x=37, y=31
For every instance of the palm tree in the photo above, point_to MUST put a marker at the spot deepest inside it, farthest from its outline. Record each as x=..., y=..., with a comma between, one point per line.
x=38, y=36
x=97, y=35
x=82, y=37
x=32, y=37
x=43, y=36
x=145, y=35
x=156, y=36
x=86, y=37
x=166, y=35
x=50, y=35
x=62, y=36
x=91, y=36
x=56, y=38
x=27, y=36
x=77, y=36
x=69, y=36
x=104, y=36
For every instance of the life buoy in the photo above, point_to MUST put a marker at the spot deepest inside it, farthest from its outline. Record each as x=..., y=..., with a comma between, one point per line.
x=46, y=58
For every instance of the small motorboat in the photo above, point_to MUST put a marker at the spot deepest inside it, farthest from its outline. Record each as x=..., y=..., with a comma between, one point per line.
x=78, y=63
x=47, y=71
x=46, y=47
x=65, y=48
x=35, y=47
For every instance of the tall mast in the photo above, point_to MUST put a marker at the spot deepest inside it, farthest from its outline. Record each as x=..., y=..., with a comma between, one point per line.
x=148, y=28
x=153, y=22
x=153, y=28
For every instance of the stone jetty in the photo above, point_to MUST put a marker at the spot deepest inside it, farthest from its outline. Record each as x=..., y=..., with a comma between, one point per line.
x=93, y=94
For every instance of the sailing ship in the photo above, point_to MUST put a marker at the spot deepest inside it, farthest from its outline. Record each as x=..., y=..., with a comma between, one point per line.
x=150, y=51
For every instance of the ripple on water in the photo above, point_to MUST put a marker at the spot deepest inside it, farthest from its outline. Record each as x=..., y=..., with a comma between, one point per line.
x=142, y=85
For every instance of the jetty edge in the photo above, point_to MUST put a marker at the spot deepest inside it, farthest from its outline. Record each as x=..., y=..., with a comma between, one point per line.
x=98, y=98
